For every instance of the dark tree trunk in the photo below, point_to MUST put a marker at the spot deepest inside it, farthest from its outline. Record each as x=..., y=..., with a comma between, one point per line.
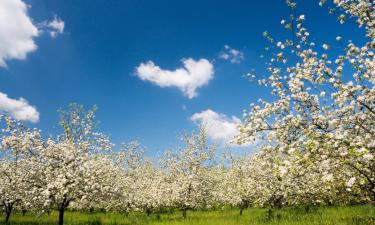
x=244, y=204
x=8, y=211
x=7, y=216
x=184, y=213
x=61, y=215
x=62, y=208
x=148, y=211
x=64, y=205
x=270, y=214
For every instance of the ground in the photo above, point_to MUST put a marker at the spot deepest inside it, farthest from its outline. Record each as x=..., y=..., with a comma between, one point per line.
x=353, y=215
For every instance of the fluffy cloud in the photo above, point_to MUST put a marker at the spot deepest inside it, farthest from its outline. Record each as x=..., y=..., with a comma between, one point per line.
x=220, y=128
x=231, y=54
x=18, y=108
x=16, y=31
x=188, y=79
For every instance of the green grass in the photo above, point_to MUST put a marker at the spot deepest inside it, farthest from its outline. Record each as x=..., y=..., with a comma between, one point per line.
x=355, y=215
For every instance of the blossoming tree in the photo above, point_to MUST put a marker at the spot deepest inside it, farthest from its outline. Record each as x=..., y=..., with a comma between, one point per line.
x=324, y=105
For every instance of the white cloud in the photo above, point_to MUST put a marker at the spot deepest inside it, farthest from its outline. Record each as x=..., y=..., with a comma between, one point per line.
x=220, y=128
x=16, y=31
x=18, y=108
x=53, y=27
x=232, y=55
x=188, y=79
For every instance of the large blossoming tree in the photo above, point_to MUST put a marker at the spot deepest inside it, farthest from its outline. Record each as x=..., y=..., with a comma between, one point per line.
x=324, y=100
x=73, y=162
x=20, y=149
x=187, y=172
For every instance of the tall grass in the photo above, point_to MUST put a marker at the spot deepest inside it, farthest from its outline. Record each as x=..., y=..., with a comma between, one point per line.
x=355, y=215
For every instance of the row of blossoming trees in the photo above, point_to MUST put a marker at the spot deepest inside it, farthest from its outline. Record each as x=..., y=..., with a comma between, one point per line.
x=316, y=142
x=79, y=170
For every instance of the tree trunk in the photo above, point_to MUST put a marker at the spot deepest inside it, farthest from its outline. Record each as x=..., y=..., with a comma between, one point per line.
x=270, y=214
x=148, y=211
x=64, y=205
x=184, y=212
x=8, y=212
x=61, y=215
x=244, y=204
x=7, y=216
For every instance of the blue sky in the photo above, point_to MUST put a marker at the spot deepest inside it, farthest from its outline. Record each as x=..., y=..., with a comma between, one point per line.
x=94, y=60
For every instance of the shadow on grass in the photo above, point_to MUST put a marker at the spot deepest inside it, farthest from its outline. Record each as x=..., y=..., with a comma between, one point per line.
x=360, y=220
x=94, y=222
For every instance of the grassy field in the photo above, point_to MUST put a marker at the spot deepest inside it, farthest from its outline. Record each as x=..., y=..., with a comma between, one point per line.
x=355, y=215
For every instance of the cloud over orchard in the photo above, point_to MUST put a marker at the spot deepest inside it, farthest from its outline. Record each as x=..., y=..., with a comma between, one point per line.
x=193, y=75
x=220, y=128
x=17, y=34
x=17, y=30
x=19, y=109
